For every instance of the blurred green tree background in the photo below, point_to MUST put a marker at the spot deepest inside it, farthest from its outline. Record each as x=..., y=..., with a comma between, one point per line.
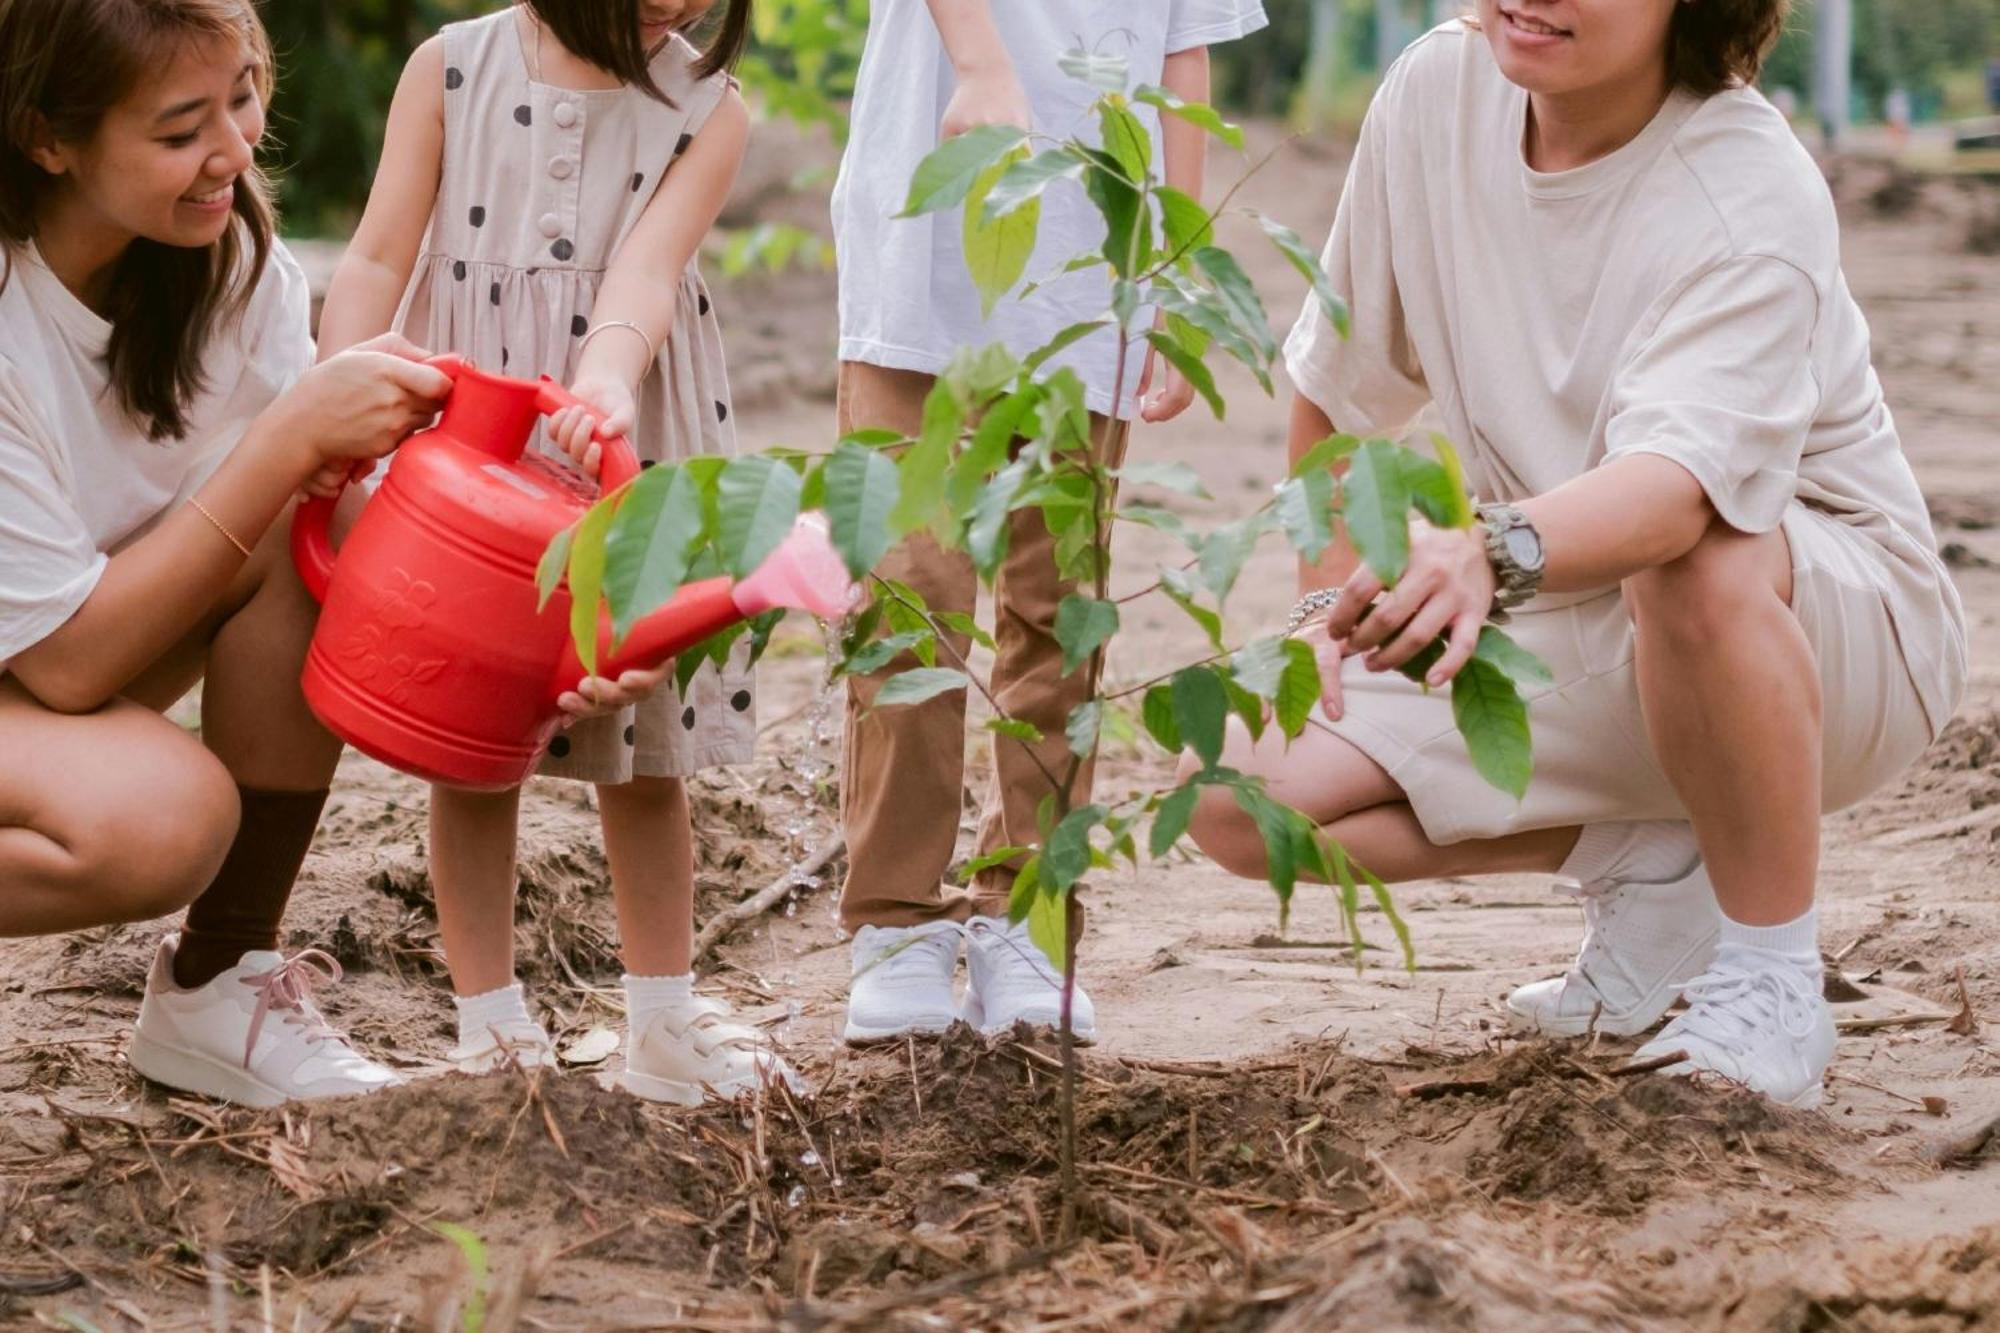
x=339, y=64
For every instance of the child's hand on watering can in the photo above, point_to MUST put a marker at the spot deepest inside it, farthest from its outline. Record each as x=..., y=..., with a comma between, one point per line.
x=579, y=431
x=597, y=695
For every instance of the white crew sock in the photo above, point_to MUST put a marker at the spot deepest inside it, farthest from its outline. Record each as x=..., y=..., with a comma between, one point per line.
x=1652, y=851
x=1756, y=948
x=479, y=1014
x=646, y=996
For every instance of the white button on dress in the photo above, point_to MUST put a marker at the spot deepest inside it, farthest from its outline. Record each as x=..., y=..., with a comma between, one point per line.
x=551, y=225
x=565, y=114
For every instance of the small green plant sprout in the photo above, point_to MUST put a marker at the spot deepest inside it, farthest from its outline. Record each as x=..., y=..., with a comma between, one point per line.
x=472, y=1313
x=1004, y=433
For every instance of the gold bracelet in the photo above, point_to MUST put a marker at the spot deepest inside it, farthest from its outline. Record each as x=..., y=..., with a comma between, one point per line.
x=652, y=352
x=234, y=540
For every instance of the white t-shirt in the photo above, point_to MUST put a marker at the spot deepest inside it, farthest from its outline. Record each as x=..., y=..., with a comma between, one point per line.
x=1681, y=296
x=906, y=299
x=79, y=480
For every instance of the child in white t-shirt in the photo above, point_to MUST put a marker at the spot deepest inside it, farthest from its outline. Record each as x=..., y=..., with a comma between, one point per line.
x=934, y=69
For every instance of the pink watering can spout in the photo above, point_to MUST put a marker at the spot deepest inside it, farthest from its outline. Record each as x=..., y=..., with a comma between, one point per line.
x=805, y=574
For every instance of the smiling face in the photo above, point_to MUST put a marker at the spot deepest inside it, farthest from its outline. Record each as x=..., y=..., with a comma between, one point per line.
x=660, y=19
x=1559, y=47
x=167, y=160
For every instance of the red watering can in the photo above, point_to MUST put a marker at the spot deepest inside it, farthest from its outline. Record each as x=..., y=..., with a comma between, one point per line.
x=430, y=654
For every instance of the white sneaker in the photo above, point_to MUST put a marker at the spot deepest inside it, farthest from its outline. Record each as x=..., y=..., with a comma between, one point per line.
x=524, y=1045
x=902, y=981
x=251, y=1036
x=1754, y=1020
x=1641, y=944
x=688, y=1055
x=1013, y=981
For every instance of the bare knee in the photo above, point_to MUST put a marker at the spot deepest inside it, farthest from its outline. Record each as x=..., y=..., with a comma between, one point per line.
x=1715, y=591
x=1226, y=834
x=162, y=837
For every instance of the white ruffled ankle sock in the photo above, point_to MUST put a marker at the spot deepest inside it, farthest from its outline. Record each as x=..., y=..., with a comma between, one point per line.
x=478, y=1014
x=646, y=996
x=1651, y=851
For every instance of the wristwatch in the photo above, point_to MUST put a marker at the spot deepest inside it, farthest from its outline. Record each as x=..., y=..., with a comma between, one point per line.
x=1515, y=550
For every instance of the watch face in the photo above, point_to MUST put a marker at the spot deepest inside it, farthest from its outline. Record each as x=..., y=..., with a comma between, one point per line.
x=1524, y=548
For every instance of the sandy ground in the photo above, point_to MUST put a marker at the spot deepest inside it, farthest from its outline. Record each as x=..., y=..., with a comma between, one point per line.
x=1272, y=1139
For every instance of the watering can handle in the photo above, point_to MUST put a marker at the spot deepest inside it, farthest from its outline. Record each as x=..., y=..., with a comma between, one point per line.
x=618, y=464
x=312, y=526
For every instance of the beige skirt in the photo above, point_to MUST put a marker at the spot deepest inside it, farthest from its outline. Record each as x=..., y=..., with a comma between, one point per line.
x=1593, y=760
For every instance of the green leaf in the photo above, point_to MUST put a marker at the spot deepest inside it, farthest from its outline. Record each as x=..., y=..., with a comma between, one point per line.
x=1125, y=139
x=1387, y=902
x=1084, y=723
x=1516, y=662
x=997, y=249
x=1128, y=236
x=1463, y=515
x=1430, y=488
x=1224, y=552
x=1201, y=706
x=1305, y=513
x=914, y=687
x=960, y=623
x=757, y=501
x=1244, y=704
x=920, y=485
x=867, y=660
x=1075, y=333
x=1177, y=477
x=1192, y=369
x=1299, y=688
x=1199, y=114
x=1048, y=927
x=1082, y=626
x=861, y=489
x=1026, y=890
x=998, y=857
x=986, y=537
x=549, y=573
x=1180, y=590
x=1184, y=220
x=944, y=178
x=1157, y=712
x=647, y=548
x=473, y=1250
x=586, y=580
x=1280, y=858
x=1015, y=728
x=1259, y=665
x=1107, y=74
x=1239, y=296
x=1206, y=311
x=1308, y=265
x=1067, y=855
x=1170, y=820
x=1350, y=895
x=1375, y=503
x=1328, y=453
x=1023, y=180
x=1494, y=722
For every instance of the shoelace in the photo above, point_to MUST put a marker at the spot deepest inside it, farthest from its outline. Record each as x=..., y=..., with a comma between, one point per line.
x=912, y=947
x=287, y=989
x=1015, y=957
x=1726, y=1006
x=1600, y=908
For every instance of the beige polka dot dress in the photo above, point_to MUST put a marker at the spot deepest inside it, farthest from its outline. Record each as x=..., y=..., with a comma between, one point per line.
x=540, y=186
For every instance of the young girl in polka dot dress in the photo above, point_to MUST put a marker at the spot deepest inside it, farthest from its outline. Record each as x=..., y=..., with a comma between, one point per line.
x=548, y=175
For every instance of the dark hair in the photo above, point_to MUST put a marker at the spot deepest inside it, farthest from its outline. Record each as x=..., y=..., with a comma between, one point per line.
x=68, y=62
x=606, y=34
x=1718, y=44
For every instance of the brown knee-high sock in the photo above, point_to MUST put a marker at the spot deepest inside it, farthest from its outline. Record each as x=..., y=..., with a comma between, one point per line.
x=241, y=909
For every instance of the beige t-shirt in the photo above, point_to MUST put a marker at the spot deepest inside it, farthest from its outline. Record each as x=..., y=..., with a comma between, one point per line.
x=79, y=480
x=1681, y=296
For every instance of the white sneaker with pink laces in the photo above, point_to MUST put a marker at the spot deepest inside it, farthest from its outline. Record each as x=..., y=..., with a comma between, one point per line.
x=251, y=1036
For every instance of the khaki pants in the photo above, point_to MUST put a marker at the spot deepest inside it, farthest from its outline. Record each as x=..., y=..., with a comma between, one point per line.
x=904, y=767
